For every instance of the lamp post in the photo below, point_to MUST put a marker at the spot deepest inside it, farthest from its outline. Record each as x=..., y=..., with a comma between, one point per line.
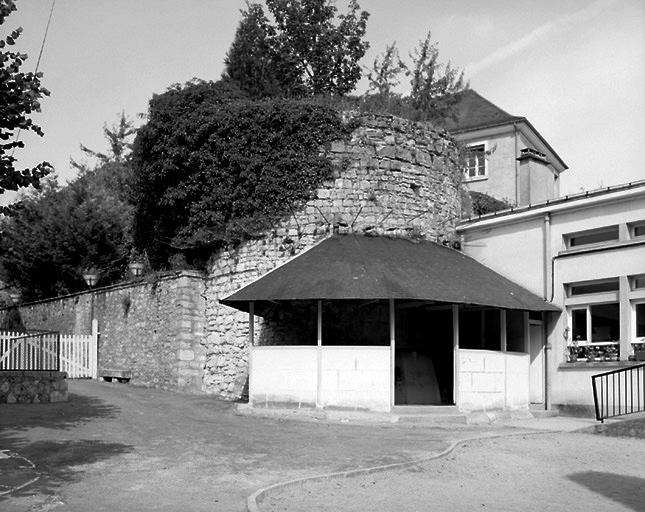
x=136, y=268
x=91, y=277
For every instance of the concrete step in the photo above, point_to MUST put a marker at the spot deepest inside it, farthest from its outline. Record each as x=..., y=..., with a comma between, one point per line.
x=543, y=413
x=431, y=419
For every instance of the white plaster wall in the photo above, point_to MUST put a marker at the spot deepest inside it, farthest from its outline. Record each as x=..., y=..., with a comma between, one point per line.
x=492, y=380
x=596, y=216
x=282, y=374
x=572, y=386
x=513, y=250
x=482, y=380
x=517, y=381
x=356, y=377
x=579, y=390
x=501, y=167
x=599, y=265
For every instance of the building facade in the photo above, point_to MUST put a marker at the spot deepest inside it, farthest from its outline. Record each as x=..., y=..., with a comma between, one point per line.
x=586, y=254
x=506, y=156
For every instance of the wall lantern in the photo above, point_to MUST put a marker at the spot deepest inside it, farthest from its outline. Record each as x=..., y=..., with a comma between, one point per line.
x=91, y=277
x=15, y=297
x=136, y=268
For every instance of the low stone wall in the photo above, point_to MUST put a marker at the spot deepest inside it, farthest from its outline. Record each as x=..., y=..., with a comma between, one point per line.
x=153, y=327
x=32, y=387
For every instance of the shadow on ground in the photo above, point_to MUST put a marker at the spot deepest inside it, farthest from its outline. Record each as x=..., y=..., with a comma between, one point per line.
x=625, y=489
x=60, y=462
x=633, y=428
x=57, y=461
x=61, y=415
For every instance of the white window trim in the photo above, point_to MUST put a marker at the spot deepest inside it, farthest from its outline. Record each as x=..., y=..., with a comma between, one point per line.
x=587, y=342
x=633, y=337
x=569, y=236
x=631, y=226
x=469, y=179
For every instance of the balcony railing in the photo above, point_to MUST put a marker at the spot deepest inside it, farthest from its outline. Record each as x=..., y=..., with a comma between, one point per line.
x=619, y=392
x=34, y=350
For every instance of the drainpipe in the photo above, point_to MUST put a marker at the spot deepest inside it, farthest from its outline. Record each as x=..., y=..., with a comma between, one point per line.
x=517, y=168
x=547, y=270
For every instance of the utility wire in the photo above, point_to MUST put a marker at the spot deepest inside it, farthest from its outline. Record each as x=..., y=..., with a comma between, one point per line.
x=42, y=46
x=40, y=54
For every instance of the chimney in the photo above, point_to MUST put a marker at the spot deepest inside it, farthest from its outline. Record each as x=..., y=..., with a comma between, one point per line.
x=537, y=180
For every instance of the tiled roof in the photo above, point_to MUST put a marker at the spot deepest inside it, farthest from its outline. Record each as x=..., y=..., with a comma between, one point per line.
x=474, y=111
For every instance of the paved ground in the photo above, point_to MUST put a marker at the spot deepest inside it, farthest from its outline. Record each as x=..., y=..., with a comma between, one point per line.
x=119, y=447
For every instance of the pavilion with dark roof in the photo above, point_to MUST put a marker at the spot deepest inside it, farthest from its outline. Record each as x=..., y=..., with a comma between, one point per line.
x=365, y=322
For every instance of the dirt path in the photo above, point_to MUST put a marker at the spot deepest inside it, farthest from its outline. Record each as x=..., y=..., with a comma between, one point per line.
x=572, y=472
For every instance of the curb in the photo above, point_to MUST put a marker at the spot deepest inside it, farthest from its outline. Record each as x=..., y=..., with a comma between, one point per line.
x=252, y=501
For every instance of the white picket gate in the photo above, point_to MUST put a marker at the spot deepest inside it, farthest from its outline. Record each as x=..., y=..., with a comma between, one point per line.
x=76, y=353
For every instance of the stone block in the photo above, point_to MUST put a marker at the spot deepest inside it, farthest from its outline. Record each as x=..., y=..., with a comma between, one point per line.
x=386, y=151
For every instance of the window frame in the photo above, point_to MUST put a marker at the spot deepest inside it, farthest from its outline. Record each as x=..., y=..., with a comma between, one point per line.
x=634, y=323
x=570, y=237
x=470, y=148
x=633, y=226
x=570, y=288
x=589, y=325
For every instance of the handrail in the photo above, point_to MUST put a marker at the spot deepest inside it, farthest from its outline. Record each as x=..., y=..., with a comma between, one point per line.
x=619, y=392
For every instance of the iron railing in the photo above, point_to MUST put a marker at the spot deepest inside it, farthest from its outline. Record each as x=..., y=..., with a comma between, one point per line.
x=619, y=392
x=33, y=350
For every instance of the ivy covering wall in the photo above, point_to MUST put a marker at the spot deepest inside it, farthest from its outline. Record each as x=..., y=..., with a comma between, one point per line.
x=213, y=168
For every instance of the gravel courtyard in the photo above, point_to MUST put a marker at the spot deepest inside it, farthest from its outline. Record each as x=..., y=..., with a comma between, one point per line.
x=121, y=447
x=551, y=471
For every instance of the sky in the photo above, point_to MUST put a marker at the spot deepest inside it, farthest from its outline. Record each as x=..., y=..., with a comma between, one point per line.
x=574, y=68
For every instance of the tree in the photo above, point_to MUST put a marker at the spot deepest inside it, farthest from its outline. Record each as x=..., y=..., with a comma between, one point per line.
x=53, y=234
x=20, y=95
x=433, y=85
x=308, y=50
x=212, y=169
x=113, y=171
x=119, y=137
x=385, y=72
x=250, y=62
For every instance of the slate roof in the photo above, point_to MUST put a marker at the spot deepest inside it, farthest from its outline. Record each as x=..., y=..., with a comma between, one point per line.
x=362, y=267
x=474, y=111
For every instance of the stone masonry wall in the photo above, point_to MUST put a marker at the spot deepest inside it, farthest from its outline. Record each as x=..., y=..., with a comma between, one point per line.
x=153, y=327
x=398, y=179
x=32, y=387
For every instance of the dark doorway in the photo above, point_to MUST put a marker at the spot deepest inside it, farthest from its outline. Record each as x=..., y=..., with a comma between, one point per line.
x=424, y=355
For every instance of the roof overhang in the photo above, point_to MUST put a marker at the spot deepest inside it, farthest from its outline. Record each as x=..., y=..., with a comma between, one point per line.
x=355, y=267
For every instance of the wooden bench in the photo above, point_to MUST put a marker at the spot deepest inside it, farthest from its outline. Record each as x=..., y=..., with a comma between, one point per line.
x=121, y=375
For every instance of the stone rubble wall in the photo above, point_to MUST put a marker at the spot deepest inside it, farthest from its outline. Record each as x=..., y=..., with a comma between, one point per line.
x=153, y=327
x=395, y=178
x=32, y=387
